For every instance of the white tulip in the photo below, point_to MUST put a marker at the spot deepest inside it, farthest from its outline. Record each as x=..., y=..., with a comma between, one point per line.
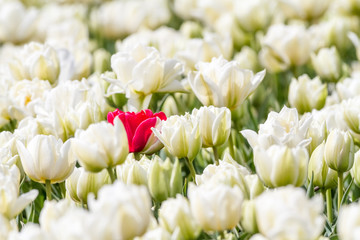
x=339, y=151
x=306, y=94
x=214, y=124
x=7, y=227
x=348, y=88
x=286, y=213
x=81, y=183
x=228, y=172
x=133, y=171
x=216, y=208
x=280, y=165
x=351, y=114
x=327, y=64
x=349, y=222
x=254, y=15
x=36, y=61
x=124, y=211
x=11, y=204
x=304, y=9
x=176, y=217
x=46, y=158
x=26, y=96
x=17, y=22
x=141, y=71
x=180, y=136
x=323, y=176
x=283, y=128
x=102, y=145
x=279, y=52
x=222, y=83
x=211, y=45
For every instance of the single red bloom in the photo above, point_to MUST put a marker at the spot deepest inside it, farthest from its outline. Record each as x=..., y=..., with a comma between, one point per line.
x=137, y=125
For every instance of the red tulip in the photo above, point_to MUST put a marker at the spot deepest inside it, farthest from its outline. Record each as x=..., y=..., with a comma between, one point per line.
x=138, y=128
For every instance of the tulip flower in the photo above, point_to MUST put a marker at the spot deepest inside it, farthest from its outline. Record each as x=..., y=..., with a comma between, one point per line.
x=176, y=217
x=222, y=83
x=101, y=146
x=306, y=94
x=138, y=129
x=348, y=224
x=164, y=179
x=81, y=183
x=11, y=201
x=287, y=213
x=46, y=158
x=215, y=207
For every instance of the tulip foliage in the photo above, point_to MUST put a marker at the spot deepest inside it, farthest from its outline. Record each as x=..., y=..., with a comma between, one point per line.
x=178, y=119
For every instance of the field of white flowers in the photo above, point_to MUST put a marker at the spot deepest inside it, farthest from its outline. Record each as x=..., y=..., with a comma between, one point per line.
x=179, y=119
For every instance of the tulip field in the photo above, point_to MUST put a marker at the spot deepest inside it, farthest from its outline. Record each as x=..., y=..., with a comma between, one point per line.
x=179, y=119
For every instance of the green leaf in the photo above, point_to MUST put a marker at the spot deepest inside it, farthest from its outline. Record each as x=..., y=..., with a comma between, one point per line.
x=310, y=190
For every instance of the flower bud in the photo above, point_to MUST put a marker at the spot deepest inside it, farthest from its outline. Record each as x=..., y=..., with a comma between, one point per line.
x=81, y=183
x=176, y=217
x=216, y=207
x=214, y=124
x=323, y=176
x=101, y=145
x=339, y=151
x=280, y=165
x=180, y=136
x=355, y=170
x=164, y=179
x=133, y=171
x=248, y=217
x=327, y=64
x=306, y=94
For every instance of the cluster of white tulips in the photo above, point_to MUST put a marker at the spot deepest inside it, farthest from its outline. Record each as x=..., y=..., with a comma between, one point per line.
x=180, y=119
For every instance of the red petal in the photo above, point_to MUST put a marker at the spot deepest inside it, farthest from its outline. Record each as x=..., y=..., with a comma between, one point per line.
x=160, y=115
x=142, y=134
x=112, y=115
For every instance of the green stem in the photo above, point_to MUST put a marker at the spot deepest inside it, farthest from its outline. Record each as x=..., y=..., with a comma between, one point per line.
x=216, y=155
x=111, y=174
x=63, y=189
x=231, y=146
x=329, y=206
x=191, y=168
x=157, y=206
x=137, y=156
x=48, y=189
x=340, y=188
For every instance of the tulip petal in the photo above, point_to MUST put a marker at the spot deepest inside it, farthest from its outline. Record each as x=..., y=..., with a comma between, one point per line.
x=142, y=134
